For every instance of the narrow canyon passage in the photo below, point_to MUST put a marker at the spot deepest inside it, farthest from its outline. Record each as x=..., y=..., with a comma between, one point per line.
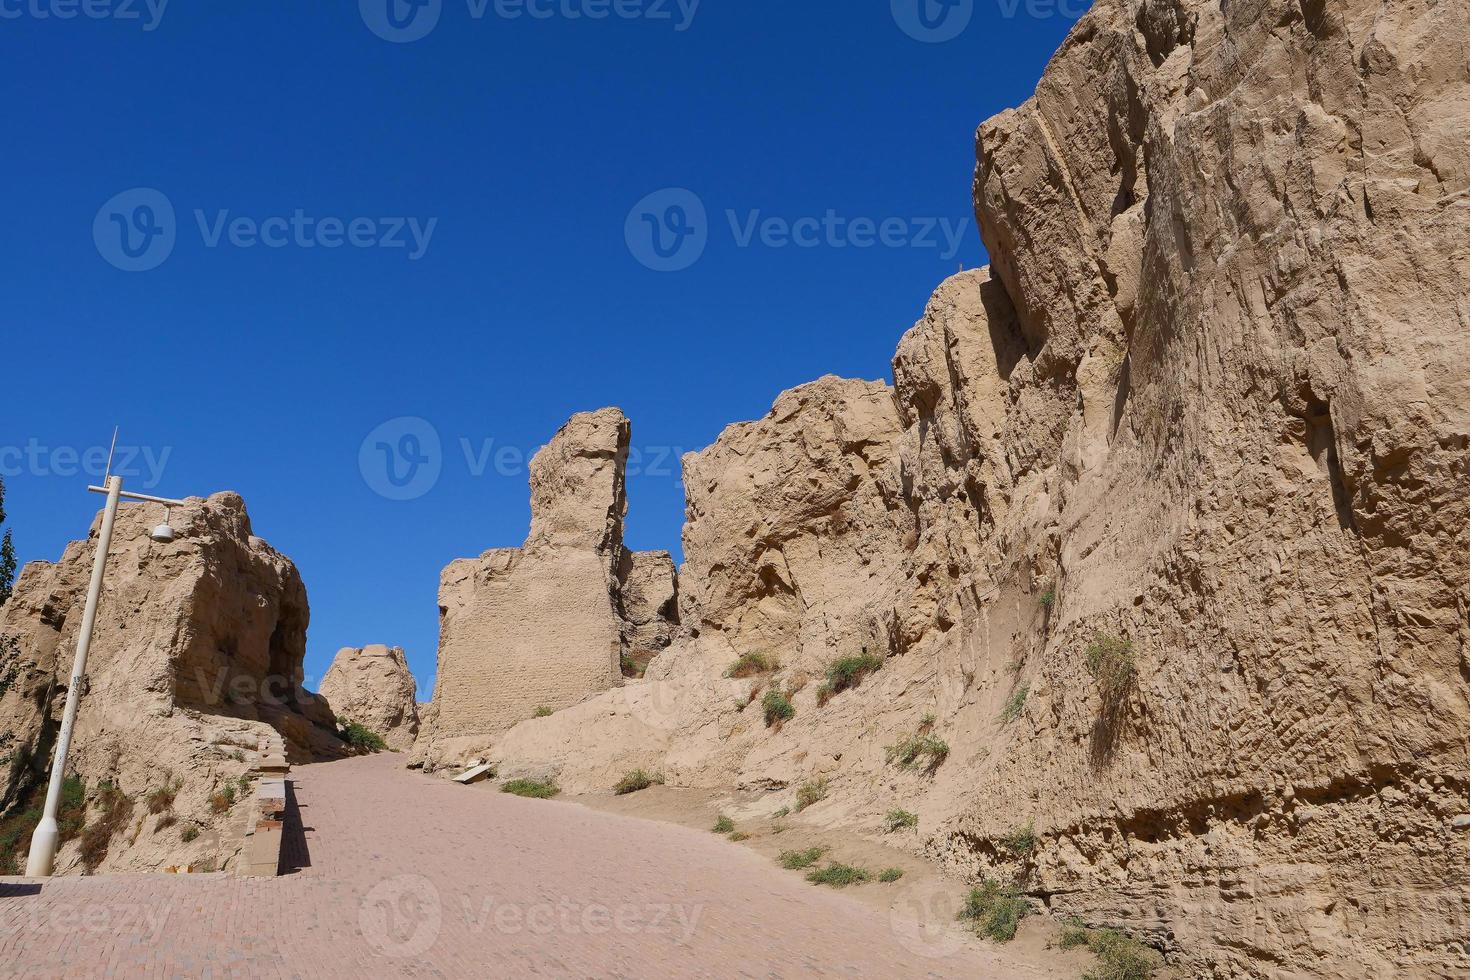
x=398, y=874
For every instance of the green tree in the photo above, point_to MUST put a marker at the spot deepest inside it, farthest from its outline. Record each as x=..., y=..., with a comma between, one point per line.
x=7, y=553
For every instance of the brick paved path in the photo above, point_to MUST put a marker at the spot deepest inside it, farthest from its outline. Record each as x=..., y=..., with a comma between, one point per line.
x=404, y=875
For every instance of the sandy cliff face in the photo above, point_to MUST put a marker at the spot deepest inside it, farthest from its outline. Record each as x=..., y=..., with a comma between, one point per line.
x=1162, y=522
x=197, y=653
x=547, y=624
x=373, y=687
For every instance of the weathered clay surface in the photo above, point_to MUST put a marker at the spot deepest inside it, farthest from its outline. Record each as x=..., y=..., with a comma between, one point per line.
x=542, y=626
x=197, y=653
x=648, y=590
x=373, y=686
x=1211, y=399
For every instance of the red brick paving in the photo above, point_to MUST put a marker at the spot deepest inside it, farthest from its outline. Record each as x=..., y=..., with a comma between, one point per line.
x=417, y=877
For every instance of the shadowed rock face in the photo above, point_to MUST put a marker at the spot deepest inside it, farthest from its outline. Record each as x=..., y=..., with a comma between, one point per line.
x=373, y=686
x=1211, y=401
x=196, y=654
x=547, y=624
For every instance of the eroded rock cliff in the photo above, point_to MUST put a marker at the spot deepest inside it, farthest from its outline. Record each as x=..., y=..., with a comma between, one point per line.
x=197, y=653
x=373, y=687
x=550, y=623
x=1160, y=532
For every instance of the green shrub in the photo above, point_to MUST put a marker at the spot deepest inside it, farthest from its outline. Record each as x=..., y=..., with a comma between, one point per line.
x=115, y=808
x=796, y=860
x=778, y=707
x=751, y=664
x=927, y=723
x=1020, y=841
x=890, y=874
x=1112, y=664
x=739, y=836
x=162, y=798
x=630, y=667
x=637, y=780
x=1049, y=598
x=1074, y=934
x=188, y=834
x=1016, y=704
x=222, y=799
x=531, y=789
x=1119, y=957
x=846, y=673
x=908, y=751
x=785, y=811
x=839, y=876
x=902, y=820
x=543, y=712
x=724, y=825
x=809, y=793
x=995, y=910
x=17, y=829
x=363, y=739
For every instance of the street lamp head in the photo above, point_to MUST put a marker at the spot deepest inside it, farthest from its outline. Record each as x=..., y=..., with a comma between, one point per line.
x=163, y=534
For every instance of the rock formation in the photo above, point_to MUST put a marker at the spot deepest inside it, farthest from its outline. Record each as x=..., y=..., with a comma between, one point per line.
x=373, y=687
x=1160, y=528
x=197, y=653
x=543, y=625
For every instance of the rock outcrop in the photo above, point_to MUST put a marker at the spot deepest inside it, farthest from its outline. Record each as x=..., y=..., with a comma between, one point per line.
x=373, y=687
x=197, y=653
x=1160, y=531
x=542, y=626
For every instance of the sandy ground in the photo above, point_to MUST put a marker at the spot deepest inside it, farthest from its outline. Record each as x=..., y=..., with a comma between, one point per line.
x=397, y=874
x=922, y=904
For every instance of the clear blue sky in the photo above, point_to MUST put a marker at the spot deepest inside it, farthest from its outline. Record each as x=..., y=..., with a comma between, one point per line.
x=528, y=142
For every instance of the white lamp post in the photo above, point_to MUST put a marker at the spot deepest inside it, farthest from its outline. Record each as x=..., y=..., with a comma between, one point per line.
x=43, y=842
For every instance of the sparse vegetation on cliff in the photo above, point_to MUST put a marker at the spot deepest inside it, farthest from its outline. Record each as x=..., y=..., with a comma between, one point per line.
x=809, y=793
x=901, y=820
x=796, y=860
x=907, y=752
x=1020, y=841
x=995, y=910
x=724, y=825
x=1119, y=957
x=531, y=788
x=1111, y=662
x=636, y=780
x=1016, y=704
x=114, y=809
x=751, y=664
x=846, y=673
x=777, y=707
